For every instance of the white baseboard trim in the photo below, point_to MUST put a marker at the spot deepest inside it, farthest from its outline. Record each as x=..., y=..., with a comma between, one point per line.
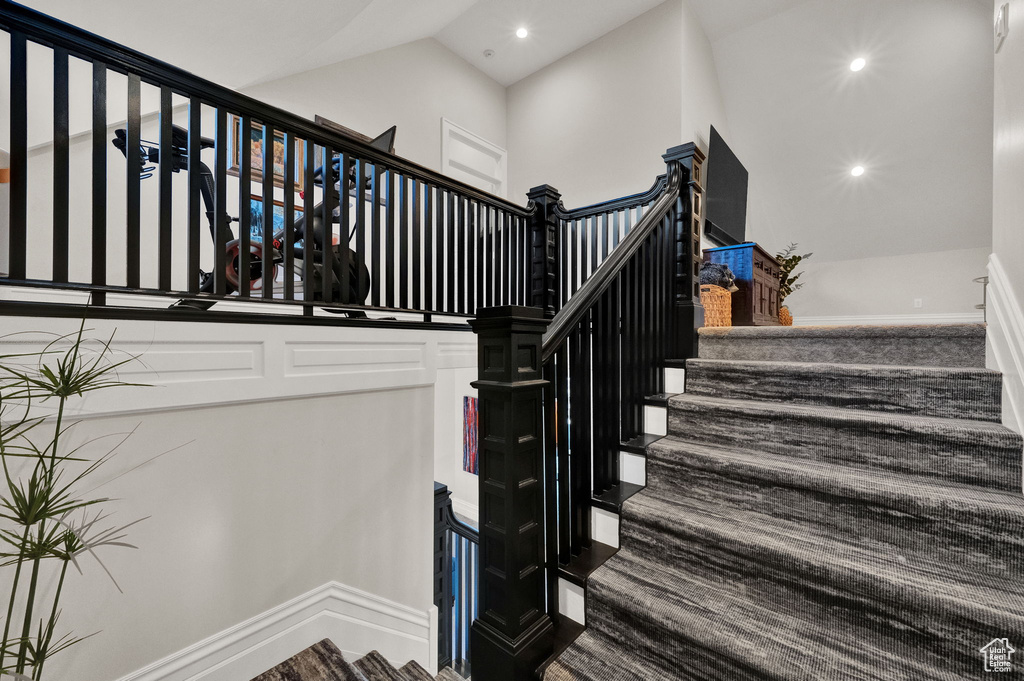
x=1006, y=342
x=356, y=621
x=893, y=320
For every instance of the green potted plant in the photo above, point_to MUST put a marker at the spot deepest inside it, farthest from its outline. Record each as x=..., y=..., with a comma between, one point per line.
x=47, y=523
x=788, y=261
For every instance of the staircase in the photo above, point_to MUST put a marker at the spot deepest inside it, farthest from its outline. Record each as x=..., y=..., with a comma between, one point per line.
x=829, y=503
x=324, y=662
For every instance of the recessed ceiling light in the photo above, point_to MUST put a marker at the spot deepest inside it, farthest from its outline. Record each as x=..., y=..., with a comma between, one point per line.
x=857, y=64
x=857, y=171
x=522, y=32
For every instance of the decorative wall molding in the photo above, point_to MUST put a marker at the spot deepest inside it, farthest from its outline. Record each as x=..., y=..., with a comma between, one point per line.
x=893, y=320
x=219, y=364
x=1006, y=341
x=355, y=620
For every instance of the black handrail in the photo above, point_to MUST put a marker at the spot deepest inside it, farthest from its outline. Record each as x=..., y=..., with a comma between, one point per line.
x=91, y=47
x=566, y=320
x=632, y=201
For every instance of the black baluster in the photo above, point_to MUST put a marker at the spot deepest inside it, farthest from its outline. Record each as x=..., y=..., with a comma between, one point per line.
x=164, y=170
x=403, y=242
x=288, y=238
x=245, y=205
x=195, y=200
x=133, y=222
x=220, y=202
x=61, y=165
x=99, y=175
x=429, y=249
x=267, y=247
x=452, y=226
x=327, y=215
x=308, y=238
x=345, y=264
x=417, y=248
x=389, y=251
x=375, y=236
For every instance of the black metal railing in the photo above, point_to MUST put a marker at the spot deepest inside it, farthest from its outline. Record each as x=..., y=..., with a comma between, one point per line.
x=558, y=397
x=359, y=228
x=455, y=583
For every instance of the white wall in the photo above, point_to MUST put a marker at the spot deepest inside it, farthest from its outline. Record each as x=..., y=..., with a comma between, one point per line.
x=412, y=86
x=452, y=386
x=267, y=461
x=883, y=289
x=595, y=123
x=1006, y=326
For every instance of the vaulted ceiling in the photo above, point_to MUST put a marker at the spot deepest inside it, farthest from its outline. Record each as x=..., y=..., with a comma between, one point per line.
x=243, y=42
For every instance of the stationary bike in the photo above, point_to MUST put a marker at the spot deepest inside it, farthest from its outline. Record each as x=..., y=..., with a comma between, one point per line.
x=357, y=283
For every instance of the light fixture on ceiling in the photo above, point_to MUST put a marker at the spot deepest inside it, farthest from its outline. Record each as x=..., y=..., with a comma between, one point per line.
x=857, y=64
x=857, y=171
x=521, y=32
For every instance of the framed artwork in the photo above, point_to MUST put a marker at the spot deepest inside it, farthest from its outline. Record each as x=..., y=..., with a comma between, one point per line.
x=257, y=221
x=470, y=422
x=255, y=141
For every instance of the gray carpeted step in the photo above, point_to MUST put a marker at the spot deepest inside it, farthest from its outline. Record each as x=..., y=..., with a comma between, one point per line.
x=595, y=657
x=972, y=452
x=320, y=662
x=923, y=391
x=412, y=671
x=375, y=667
x=944, y=345
x=918, y=520
x=705, y=619
x=448, y=674
x=743, y=596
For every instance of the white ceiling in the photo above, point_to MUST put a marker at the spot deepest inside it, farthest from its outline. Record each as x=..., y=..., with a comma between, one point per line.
x=238, y=43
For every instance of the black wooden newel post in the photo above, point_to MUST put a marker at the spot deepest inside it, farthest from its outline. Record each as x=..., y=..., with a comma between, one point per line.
x=689, y=314
x=544, y=249
x=513, y=633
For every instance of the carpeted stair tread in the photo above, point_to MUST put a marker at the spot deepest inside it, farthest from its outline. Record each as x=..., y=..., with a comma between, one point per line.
x=412, y=671
x=594, y=657
x=375, y=667
x=926, y=391
x=704, y=620
x=749, y=540
x=921, y=519
x=969, y=451
x=448, y=674
x=320, y=662
x=949, y=345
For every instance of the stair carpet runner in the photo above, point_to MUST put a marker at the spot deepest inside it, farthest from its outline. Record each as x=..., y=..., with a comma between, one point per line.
x=324, y=662
x=830, y=503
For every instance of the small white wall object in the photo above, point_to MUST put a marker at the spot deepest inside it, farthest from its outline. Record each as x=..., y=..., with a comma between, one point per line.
x=468, y=157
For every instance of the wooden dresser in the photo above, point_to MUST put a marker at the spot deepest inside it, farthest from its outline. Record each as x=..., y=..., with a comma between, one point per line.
x=757, y=276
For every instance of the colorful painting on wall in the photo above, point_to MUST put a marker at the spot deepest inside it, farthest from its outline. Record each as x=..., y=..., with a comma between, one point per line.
x=470, y=422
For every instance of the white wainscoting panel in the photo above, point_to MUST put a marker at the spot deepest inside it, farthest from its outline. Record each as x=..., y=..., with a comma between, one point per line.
x=190, y=364
x=1006, y=342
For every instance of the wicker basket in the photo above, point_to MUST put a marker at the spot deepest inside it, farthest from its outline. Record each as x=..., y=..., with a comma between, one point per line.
x=785, y=317
x=717, y=303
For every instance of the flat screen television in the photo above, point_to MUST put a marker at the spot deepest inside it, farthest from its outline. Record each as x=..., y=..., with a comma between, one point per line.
x=725, y=213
